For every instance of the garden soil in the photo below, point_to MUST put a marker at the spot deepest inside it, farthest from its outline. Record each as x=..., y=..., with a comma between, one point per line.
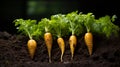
x=14, y=53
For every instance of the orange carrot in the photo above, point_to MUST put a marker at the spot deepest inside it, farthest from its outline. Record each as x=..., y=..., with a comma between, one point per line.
x=88, y=37
x=89, y=42
x=62, y=46
x=72, y=42
x=45, y=31
x=31, y=47
x=60, y=29
x=76, y=28
x=29, y=28
x=48, y=42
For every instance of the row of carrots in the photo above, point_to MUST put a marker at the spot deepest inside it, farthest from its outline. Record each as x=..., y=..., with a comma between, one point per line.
x=64, y=25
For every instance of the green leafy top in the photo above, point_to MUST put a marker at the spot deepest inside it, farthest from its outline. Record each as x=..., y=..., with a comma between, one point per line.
x=60, y=25
x=89, y=20
x=27, y=27
x=44, y=26
x=64, y=24
x=45, y=23
x=106, y=26
x=75, y=23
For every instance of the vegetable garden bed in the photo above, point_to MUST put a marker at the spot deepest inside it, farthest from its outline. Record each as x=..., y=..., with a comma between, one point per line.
x=14, y=53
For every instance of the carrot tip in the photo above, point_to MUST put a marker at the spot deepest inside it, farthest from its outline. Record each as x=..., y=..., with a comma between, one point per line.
x=50, y=61
x=61, y=58
x=90, y=53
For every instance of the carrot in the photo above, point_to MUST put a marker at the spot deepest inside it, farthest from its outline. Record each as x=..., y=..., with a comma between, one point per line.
x=75, y=27
x=31, y=47
x=72, y=42
x=28, y=27
x=88, y=37
x=62, y=46
x=48, y=42
x=60, y=27
x=45, y=31
x=89, y=42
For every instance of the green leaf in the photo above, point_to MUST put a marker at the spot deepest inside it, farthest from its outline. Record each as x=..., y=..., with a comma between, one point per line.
x=89, y=20
x=107, y=27
x=27, y=27
x=60, y=25
x=75, y=23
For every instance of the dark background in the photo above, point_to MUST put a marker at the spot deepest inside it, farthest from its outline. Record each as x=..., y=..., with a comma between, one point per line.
x=14, y=9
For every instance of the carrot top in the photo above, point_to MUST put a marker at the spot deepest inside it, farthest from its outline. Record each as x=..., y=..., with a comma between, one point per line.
x=60, y=25
x=105, y=25
x=27, y=27
x=75, y=23
x=63, y=24
x=44, y=26
x=89, y=20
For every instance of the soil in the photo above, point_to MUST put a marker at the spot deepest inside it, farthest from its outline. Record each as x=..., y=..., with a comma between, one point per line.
x=14, y=53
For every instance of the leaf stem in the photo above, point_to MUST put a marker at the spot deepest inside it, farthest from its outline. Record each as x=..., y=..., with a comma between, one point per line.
x=73, y=31
x=28, y=34
x=88, y=29
x=46, y=29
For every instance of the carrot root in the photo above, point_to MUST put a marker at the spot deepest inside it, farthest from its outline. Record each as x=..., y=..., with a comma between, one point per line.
x=89, y=42
x=61, y=46
x=32, y=47
x=72, y=42
x=48, y=42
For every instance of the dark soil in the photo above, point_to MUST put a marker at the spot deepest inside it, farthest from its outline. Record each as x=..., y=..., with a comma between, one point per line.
x=14, y=53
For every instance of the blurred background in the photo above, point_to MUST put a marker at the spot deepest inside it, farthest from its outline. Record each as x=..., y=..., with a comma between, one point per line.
x=37, y=9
